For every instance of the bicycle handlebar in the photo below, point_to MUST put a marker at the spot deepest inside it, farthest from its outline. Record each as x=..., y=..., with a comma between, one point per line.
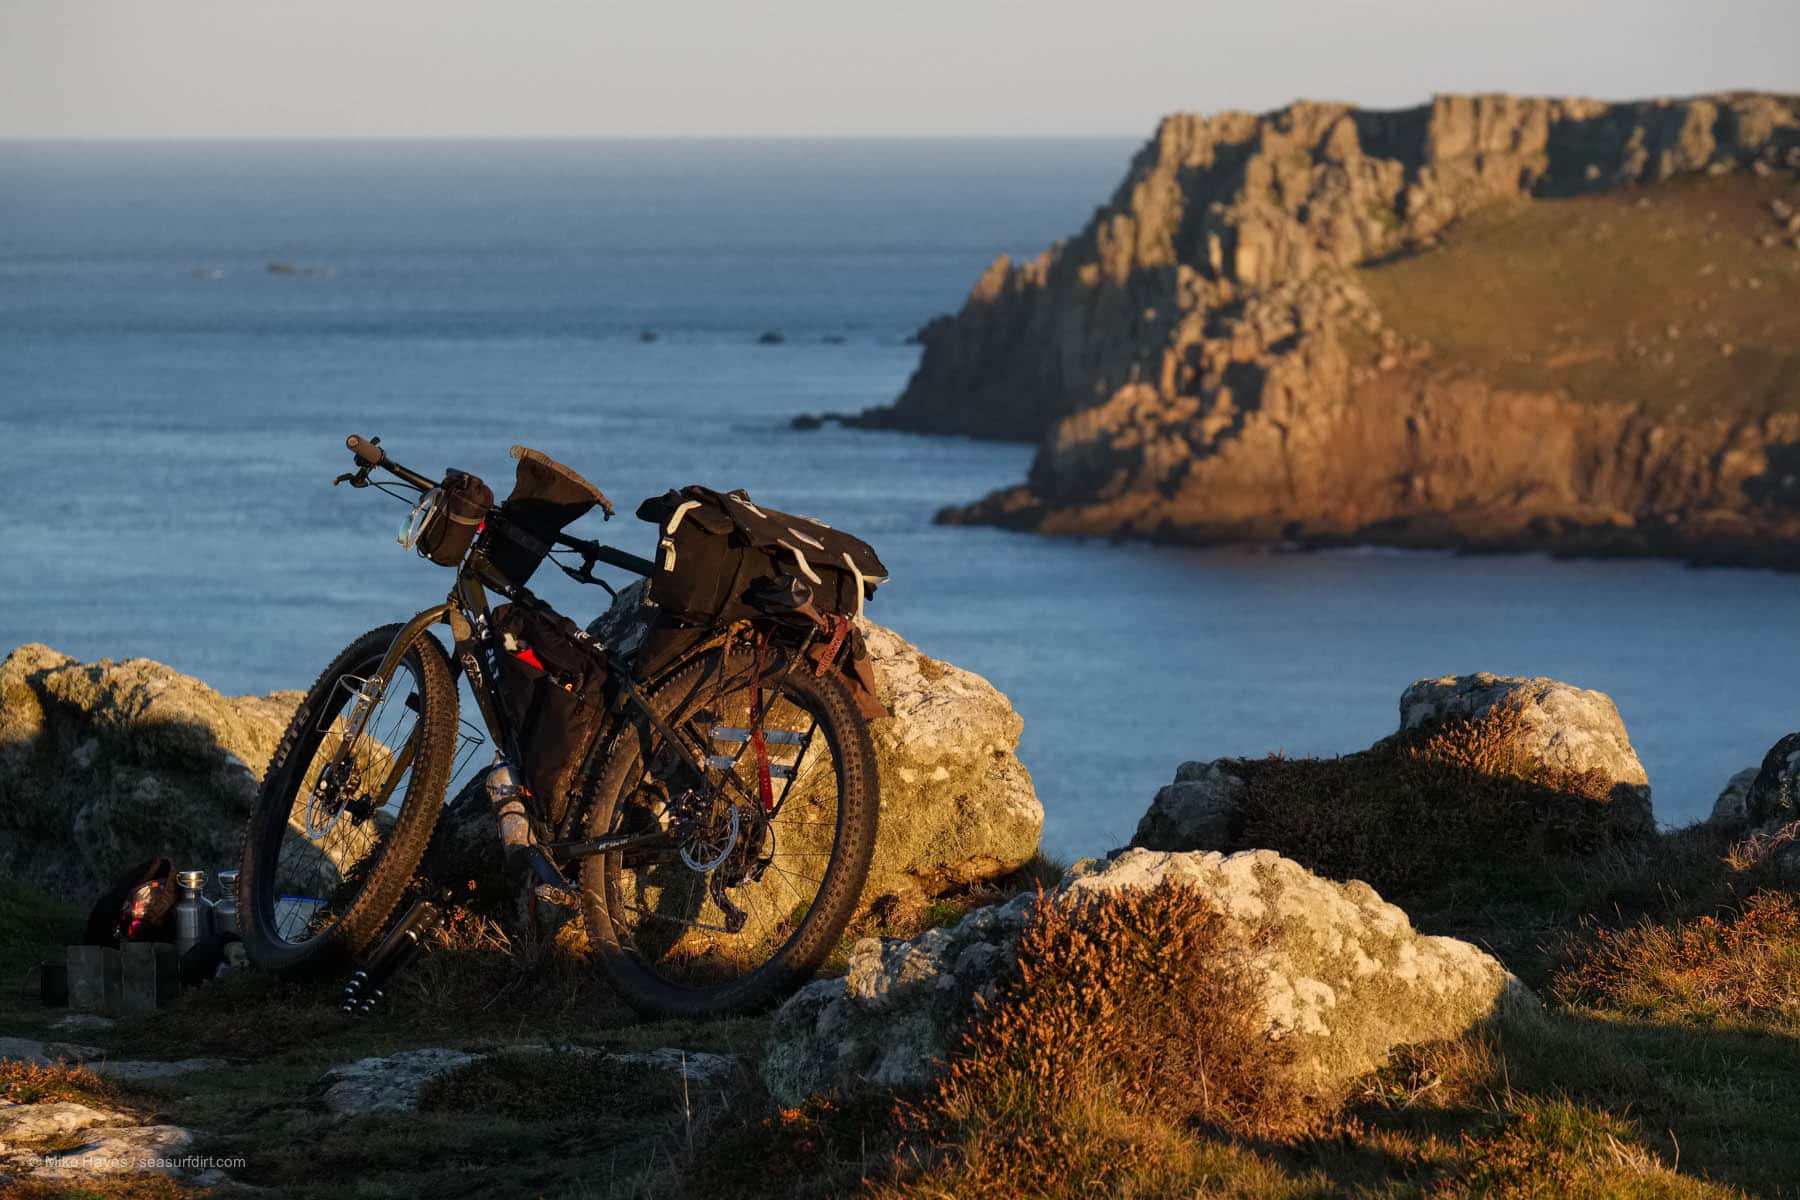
x=369, y=455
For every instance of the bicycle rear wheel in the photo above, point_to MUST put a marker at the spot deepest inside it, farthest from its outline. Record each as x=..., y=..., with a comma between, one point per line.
x=341, y=822
x=730, y=904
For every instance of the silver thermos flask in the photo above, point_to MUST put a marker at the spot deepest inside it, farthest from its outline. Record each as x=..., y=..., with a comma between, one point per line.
x=193, y=912
x=225, y=913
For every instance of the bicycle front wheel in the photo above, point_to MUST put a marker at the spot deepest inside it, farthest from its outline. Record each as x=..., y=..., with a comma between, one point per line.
x=730, y=901
x=347, y=806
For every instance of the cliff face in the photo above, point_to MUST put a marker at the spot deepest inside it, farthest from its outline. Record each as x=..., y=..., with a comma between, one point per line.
x=1204, y=361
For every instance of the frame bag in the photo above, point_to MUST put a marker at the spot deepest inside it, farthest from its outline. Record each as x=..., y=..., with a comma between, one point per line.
x=552, y=687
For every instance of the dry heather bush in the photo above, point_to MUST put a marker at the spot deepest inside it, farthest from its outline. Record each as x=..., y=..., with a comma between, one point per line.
x=1128, y=1017
x=1140, y=990
x=24, y=1083
x=1742, y=965
x=1429, y=805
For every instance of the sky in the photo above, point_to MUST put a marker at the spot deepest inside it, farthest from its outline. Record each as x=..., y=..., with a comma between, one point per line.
x=771, y=68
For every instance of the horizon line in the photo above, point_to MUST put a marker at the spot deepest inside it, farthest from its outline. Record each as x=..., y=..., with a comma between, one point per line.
x=568, y=137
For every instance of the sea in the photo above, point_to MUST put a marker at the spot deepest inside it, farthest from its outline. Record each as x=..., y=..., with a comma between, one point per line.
x=188, y=330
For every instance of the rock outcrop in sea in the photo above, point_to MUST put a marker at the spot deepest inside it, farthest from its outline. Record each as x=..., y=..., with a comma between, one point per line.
x=1341, y=973
x=1201, y=363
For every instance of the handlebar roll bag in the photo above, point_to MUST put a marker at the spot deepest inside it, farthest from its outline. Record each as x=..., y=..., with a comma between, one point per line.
x=547, y=497
x=454, y=518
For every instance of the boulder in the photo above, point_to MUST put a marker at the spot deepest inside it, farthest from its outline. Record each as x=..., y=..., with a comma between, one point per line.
x=1340, y=970
x=1195, y=812
x=1575, y=729
x=1564, y=726
x=1731, y=811
x=1761, y=806
x=1773, y=796
x=957, y=805
x=104, y=764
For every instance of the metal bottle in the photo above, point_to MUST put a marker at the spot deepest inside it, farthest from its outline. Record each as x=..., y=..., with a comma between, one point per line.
x=193, y=912
x=225, y=913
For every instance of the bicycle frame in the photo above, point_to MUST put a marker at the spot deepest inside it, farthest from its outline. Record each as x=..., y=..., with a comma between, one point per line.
x=477, y=658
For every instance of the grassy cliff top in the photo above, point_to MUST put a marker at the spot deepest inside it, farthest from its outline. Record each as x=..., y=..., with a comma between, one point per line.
x=1664, y=296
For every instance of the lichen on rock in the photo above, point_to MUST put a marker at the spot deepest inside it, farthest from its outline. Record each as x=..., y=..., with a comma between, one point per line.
x=1340, y=972
x=105, y=764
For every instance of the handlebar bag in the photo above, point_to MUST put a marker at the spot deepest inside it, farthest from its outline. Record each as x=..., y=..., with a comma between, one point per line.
x=552, y=687
x=455, y=517
x=547, y=497
x=715, y=546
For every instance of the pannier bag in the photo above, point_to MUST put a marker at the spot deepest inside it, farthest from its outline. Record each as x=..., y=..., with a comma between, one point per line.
x=449, y=516
x=715, y=546
x=552, y=688
x=546, y=498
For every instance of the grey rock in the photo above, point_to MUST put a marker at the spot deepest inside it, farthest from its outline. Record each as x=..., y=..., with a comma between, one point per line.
x=1196, y=811
x=119, y=1151
x=82, y=1023
x=1573, y=728
x=694, y=1065
x=1341, y=971
x=23, y=1124
x=104, y=764
x=43, y=1054
x=1774, y=795
x=46, y=1054
x=1731, y=810
x=130, y=1070
x=395, y=1083
x=388, y=1084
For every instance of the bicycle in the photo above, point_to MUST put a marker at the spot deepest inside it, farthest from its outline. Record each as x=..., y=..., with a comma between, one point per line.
x=718, y=822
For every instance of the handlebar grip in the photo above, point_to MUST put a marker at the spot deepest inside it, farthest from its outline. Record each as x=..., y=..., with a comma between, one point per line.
x=367, y=453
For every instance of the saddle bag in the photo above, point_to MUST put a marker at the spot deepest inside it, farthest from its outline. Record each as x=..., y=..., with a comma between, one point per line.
x=451, y=520
x=547, y=497
x=714, y=547
x=553, y=690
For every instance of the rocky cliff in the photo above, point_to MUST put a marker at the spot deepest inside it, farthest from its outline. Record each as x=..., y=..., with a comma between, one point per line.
x=1490, y=320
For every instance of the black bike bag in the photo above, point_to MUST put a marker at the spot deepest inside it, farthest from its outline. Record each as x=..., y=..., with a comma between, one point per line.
x=714, y=547
x=449, y=521
x=546, y=498
x=552, y=687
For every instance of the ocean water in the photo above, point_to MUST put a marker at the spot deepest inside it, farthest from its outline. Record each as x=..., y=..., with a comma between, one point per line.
x=172, y=413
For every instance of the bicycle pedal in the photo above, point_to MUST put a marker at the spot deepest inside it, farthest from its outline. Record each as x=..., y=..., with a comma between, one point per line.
x=561, y=897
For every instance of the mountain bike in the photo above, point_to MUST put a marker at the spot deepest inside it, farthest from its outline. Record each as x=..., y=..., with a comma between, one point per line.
x=716, y=815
